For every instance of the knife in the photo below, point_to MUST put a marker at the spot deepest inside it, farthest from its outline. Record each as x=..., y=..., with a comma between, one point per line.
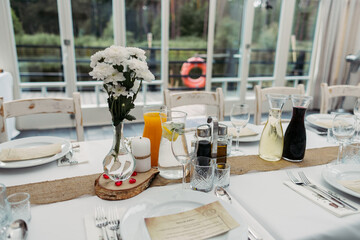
x=341, y=201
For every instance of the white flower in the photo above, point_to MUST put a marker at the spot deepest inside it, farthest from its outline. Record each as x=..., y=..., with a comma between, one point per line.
x=119, y=90
x=95, y=58
x=139, y=53
x=115, y=78
x=146, y=76
x=116, y=55
x=136, y=86
x=136, y=65
x=102, y=71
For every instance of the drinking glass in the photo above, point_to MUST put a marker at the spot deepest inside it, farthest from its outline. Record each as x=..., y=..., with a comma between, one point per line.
x=343, y=129
x=153, y=130
x=19, y=204
x=202, y=172
x=180, y=149
x=4, y=211
x=239, y=117
x=357, y=114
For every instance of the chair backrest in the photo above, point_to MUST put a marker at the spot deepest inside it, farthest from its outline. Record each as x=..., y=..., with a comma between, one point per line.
x=24, y=107
x=178, y=99
x=260, y=97
x=328, y=92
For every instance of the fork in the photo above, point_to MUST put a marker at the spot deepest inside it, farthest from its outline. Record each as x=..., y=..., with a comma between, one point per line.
x=113, y=224
x=101, y=221
x=301, y=183
x=338, y=200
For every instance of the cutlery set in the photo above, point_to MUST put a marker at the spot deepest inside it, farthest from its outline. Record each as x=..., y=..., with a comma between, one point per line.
x=68, y=158
x=326, y=194
x=108, y=223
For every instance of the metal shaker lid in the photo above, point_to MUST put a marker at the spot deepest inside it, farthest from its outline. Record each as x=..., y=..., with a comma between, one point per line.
x=203, y=130
x=222, y=130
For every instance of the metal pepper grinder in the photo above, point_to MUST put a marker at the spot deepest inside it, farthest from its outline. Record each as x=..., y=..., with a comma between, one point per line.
x=214, y=132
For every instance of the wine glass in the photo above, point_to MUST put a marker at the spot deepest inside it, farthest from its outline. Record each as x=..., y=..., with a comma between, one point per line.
x=239, y=117
x=357, y=114
x=180, y=149
x=343, y=129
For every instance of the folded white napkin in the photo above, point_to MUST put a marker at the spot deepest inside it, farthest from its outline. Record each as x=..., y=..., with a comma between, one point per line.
x=339, y=212
x=324, y=123
x=245, y=132
x=20, y=154
x=353, y=185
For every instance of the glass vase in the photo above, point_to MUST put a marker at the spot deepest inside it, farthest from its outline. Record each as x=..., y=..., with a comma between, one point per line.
x=119, y=163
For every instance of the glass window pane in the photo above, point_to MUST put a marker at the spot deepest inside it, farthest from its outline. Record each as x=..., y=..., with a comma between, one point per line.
x=227, y=42
x=93, y=31
x=187, y=44
x=302, y=37
x=264, y=38
x=143, y=30
x=36, y=29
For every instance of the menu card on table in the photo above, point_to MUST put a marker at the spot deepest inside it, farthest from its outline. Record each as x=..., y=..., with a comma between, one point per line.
x=199, y=223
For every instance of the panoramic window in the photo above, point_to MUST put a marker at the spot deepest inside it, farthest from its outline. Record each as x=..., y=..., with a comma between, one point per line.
x=93, y=31
x=143, y=30
x=187, y=44
x=264, y=40
x=227, y=42
x=301, y=40
x=36, y=29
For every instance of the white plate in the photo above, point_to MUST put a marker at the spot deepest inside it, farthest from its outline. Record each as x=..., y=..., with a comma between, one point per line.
x=164, y=203
x=335, y=173
x=315, y=118
x=256, y=128
x=33, y=142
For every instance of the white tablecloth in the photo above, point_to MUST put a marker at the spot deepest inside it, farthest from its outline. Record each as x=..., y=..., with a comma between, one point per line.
x=269, y=206
x=6, y=91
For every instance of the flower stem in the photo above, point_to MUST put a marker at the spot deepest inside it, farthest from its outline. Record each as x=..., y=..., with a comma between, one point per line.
x=117, y=137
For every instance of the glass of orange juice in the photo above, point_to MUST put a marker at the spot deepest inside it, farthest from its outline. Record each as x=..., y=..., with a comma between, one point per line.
x=153, y=130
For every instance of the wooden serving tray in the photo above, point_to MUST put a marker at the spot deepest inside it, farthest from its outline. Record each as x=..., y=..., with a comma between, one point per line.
x=107, y=190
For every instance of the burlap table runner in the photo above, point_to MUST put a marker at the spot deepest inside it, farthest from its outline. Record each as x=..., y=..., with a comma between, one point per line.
x=70, y=188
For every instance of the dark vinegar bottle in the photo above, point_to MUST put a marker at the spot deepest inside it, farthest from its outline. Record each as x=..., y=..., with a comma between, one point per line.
x=295, y=137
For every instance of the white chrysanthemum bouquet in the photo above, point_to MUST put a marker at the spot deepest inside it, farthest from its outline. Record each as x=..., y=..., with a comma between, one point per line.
x=122, y=69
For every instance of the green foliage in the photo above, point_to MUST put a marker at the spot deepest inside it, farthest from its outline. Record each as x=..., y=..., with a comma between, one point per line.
x=192, y=19
x=18, y=29
x=227, y=33
x=267, y=38
x=37, y=39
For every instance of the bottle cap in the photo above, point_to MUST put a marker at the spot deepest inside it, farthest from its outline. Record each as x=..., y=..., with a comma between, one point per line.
x=222, y=130
x=203, y=130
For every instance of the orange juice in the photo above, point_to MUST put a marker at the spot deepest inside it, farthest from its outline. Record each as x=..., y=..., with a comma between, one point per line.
x=153, y=131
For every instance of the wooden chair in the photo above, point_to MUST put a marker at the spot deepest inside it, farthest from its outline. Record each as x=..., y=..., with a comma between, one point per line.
x=260, y=97
x=177, y=99
x=328, y=92
x=23, y=107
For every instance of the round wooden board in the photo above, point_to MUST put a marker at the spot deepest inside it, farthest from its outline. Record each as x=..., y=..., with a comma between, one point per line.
x=107, y=190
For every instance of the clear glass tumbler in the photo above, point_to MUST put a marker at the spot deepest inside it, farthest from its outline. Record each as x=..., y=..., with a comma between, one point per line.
x=19, y=204
x=202, y=172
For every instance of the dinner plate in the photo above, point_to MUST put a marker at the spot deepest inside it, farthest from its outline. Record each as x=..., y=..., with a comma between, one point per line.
x=316, y=119
x=335, y=173
x=163, y=203
x=34, y=142
x=256, y=128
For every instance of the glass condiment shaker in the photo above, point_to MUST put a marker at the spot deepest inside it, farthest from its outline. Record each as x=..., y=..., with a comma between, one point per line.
x=222, y=145
x=203, y=142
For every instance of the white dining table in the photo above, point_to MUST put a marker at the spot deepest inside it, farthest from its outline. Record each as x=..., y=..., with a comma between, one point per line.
x=269, y=207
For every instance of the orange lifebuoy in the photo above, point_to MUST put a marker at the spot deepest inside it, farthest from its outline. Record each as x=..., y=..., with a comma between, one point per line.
x=194, y=62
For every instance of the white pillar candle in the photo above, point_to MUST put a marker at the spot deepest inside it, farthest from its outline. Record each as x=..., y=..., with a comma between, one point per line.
x=140, y=148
